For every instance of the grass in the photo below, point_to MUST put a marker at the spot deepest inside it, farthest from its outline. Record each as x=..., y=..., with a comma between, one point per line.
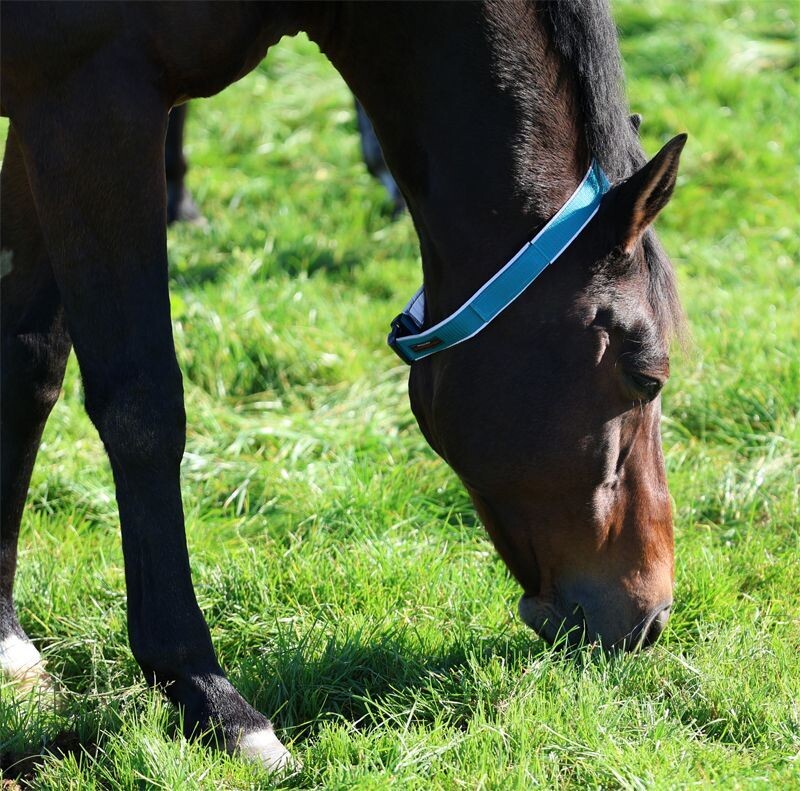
x=351, y=592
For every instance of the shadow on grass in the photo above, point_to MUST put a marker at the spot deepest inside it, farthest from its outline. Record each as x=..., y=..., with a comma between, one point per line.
x=359, y=678
x=19, y=768
x=352, y=679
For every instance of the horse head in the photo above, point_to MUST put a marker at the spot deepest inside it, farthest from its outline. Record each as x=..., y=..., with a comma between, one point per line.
x=549, y=414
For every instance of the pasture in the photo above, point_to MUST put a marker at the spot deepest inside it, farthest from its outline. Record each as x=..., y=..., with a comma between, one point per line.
x=352, y=594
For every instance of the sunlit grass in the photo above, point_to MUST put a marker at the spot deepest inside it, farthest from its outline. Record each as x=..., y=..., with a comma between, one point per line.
x=351, y=592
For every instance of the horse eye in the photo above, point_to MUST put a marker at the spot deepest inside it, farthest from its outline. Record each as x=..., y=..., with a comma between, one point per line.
x=648, y=386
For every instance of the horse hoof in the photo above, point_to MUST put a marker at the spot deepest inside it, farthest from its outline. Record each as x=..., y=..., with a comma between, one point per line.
x=190, y=214
x=23, y=665
x=263, y=747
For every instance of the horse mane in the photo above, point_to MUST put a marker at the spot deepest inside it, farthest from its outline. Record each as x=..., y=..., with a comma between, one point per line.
x=583, y=34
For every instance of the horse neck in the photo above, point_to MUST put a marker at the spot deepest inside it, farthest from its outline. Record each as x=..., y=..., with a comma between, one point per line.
x=478, y=126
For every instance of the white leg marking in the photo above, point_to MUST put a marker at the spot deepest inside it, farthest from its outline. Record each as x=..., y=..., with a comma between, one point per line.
x=22, y=663
x=263, y=746
x=18, y=657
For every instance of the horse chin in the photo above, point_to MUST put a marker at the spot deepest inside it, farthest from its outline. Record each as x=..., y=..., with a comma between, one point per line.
x=550, y=621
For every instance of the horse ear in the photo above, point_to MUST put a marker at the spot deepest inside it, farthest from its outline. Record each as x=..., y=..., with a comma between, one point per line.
x=648, y=191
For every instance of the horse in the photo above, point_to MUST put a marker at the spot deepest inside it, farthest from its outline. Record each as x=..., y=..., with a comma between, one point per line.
x=501, y=121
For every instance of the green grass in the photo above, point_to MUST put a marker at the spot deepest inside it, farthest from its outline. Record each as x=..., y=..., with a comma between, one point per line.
x=351, y=592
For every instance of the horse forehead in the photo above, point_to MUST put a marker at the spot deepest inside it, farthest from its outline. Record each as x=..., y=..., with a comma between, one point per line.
x=617, y=296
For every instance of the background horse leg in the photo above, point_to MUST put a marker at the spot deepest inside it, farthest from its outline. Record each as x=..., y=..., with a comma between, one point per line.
x=180, y=206
x=373, y=158
x=96, y=170
x=35, y=347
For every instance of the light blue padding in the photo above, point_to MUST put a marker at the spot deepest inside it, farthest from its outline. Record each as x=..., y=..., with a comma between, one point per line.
x=499, y=292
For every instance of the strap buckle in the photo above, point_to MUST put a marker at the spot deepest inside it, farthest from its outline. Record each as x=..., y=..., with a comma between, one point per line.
x=402, y=326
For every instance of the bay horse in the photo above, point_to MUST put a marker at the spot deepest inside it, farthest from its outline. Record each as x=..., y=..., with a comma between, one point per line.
x=493, y=117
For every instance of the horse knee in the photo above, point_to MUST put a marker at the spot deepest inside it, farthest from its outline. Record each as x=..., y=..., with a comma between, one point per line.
x=141, y=423
x=33, y=370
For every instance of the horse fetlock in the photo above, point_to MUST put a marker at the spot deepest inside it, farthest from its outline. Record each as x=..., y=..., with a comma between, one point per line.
x=214, y=711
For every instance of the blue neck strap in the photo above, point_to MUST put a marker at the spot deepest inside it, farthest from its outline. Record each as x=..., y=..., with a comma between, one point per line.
x=412, y=342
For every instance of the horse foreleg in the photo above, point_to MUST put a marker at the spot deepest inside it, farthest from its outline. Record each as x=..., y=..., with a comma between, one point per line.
x=34, y=346
x=95, y=163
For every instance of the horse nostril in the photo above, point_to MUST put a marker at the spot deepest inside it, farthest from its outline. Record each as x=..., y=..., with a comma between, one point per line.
x=656, y=626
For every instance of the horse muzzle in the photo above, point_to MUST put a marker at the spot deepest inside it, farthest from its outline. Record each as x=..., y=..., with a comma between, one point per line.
x=576, y=624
